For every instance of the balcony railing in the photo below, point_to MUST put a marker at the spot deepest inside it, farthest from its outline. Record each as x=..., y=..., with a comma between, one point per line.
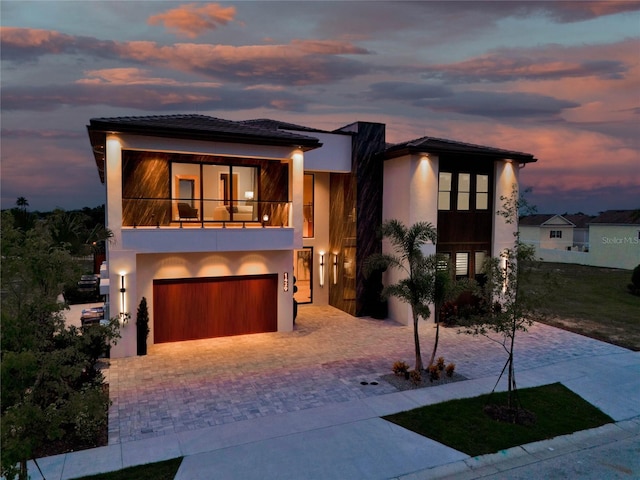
x=156, y=212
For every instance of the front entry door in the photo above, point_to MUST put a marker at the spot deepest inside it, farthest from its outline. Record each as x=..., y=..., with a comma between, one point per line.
x=303, y=271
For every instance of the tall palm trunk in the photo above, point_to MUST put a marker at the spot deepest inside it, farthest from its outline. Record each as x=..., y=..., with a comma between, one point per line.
x=416, y=339
x=435, y=343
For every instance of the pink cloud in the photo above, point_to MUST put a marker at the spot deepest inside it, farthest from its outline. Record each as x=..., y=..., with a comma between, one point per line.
x=300, y=62
x=52, y=41
x=570, y=11
x=134, y=76
x=547, y=62
x=297, y=63
x=193, y=19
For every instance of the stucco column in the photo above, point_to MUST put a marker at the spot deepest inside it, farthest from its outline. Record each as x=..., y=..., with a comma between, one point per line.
x=506, y=180
x=296, y=187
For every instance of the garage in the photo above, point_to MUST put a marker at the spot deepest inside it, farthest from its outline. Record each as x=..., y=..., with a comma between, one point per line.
x=194, y=308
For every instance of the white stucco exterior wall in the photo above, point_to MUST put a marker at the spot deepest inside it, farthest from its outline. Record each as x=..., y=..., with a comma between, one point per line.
x=506, y=179
x=333, y=156
x=410, y=196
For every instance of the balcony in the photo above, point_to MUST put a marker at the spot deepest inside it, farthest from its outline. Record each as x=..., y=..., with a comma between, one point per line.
x=162, y=213
x=153, y=225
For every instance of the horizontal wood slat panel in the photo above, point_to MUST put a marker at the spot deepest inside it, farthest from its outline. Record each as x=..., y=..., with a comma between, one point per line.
x=190, y=309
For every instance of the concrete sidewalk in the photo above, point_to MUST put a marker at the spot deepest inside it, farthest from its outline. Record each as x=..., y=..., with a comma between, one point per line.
x=348, y=440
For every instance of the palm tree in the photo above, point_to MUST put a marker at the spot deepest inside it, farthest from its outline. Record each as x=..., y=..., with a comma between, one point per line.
x=22, y=203
x=417, y=288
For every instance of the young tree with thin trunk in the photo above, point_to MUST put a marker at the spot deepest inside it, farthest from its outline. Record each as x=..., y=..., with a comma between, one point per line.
x=417, y=287
x=514, y=304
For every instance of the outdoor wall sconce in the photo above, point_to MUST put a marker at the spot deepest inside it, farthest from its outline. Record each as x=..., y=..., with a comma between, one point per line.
x=265, y=219
x=335, y=268
x=123, y=290
x=322, y=269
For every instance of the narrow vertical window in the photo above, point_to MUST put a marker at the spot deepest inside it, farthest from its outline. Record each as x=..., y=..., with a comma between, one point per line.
x=444, y=191
x=307, y=208
x=462, y=264
x=479, y=262
x=482, y=192
x=464, y=190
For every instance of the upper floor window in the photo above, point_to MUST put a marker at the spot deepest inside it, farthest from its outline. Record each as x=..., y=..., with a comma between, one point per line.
x=469, y=191
x=307, y=229
x=555, y=234
x=218, y=192
x=444, y=191
x=482, y=192
x=464, y=190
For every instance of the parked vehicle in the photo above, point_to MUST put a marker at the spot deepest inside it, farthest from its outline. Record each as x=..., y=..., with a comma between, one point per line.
x=89, y=283
x=92, y=316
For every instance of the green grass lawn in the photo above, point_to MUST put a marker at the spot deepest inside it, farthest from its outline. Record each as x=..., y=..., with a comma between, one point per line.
x=593, y=301
x=153, y=471
x=462, y=424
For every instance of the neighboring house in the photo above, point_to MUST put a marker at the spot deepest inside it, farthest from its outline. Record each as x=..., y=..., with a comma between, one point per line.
x=547, y=231
x=213, y=219
x=611, y=239
x=614, y=239
x=580, y=230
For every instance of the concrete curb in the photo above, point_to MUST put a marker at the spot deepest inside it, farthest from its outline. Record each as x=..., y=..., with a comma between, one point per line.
x=531, y=453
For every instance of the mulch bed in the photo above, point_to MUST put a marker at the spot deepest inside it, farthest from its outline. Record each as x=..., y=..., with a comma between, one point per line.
x=401, y=383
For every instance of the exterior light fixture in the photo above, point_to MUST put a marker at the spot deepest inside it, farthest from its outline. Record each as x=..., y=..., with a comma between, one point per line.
x=123, y=290
x=335, y=268
x=322, y=269
x=265, y=219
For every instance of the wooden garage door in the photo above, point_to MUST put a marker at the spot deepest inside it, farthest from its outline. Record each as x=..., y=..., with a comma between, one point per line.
x=188, y=309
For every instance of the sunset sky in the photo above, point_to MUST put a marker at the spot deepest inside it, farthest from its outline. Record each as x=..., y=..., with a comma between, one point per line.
x=560, y=80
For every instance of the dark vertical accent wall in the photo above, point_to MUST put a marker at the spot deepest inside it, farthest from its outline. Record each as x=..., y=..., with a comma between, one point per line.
x=145, y=188
x=363, y=197
x=274, y=188
x=342, y=240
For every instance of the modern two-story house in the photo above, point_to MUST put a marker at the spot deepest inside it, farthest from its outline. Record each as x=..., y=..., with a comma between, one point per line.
x=212, y=220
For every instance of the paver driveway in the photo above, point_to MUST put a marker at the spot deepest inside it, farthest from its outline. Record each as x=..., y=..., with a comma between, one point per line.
x=202, y=383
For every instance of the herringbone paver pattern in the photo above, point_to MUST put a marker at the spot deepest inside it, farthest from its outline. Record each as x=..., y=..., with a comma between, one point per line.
x=202, y=383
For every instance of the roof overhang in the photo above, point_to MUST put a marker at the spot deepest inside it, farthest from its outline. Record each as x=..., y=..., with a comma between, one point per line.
x=99, y=128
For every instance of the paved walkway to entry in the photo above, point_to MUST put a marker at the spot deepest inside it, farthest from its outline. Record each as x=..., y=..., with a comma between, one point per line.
x=236, y=405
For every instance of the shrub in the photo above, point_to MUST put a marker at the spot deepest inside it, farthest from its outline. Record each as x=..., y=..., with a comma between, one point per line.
x=400, y=367
x=448, y=314
x=434, y=373
x=416, y=376
x=440, y=363
x=142, y=327
x=449, y=370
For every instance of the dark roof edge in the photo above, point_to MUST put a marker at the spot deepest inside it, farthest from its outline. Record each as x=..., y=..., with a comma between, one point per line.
x=457, y=147
x=304, y=142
